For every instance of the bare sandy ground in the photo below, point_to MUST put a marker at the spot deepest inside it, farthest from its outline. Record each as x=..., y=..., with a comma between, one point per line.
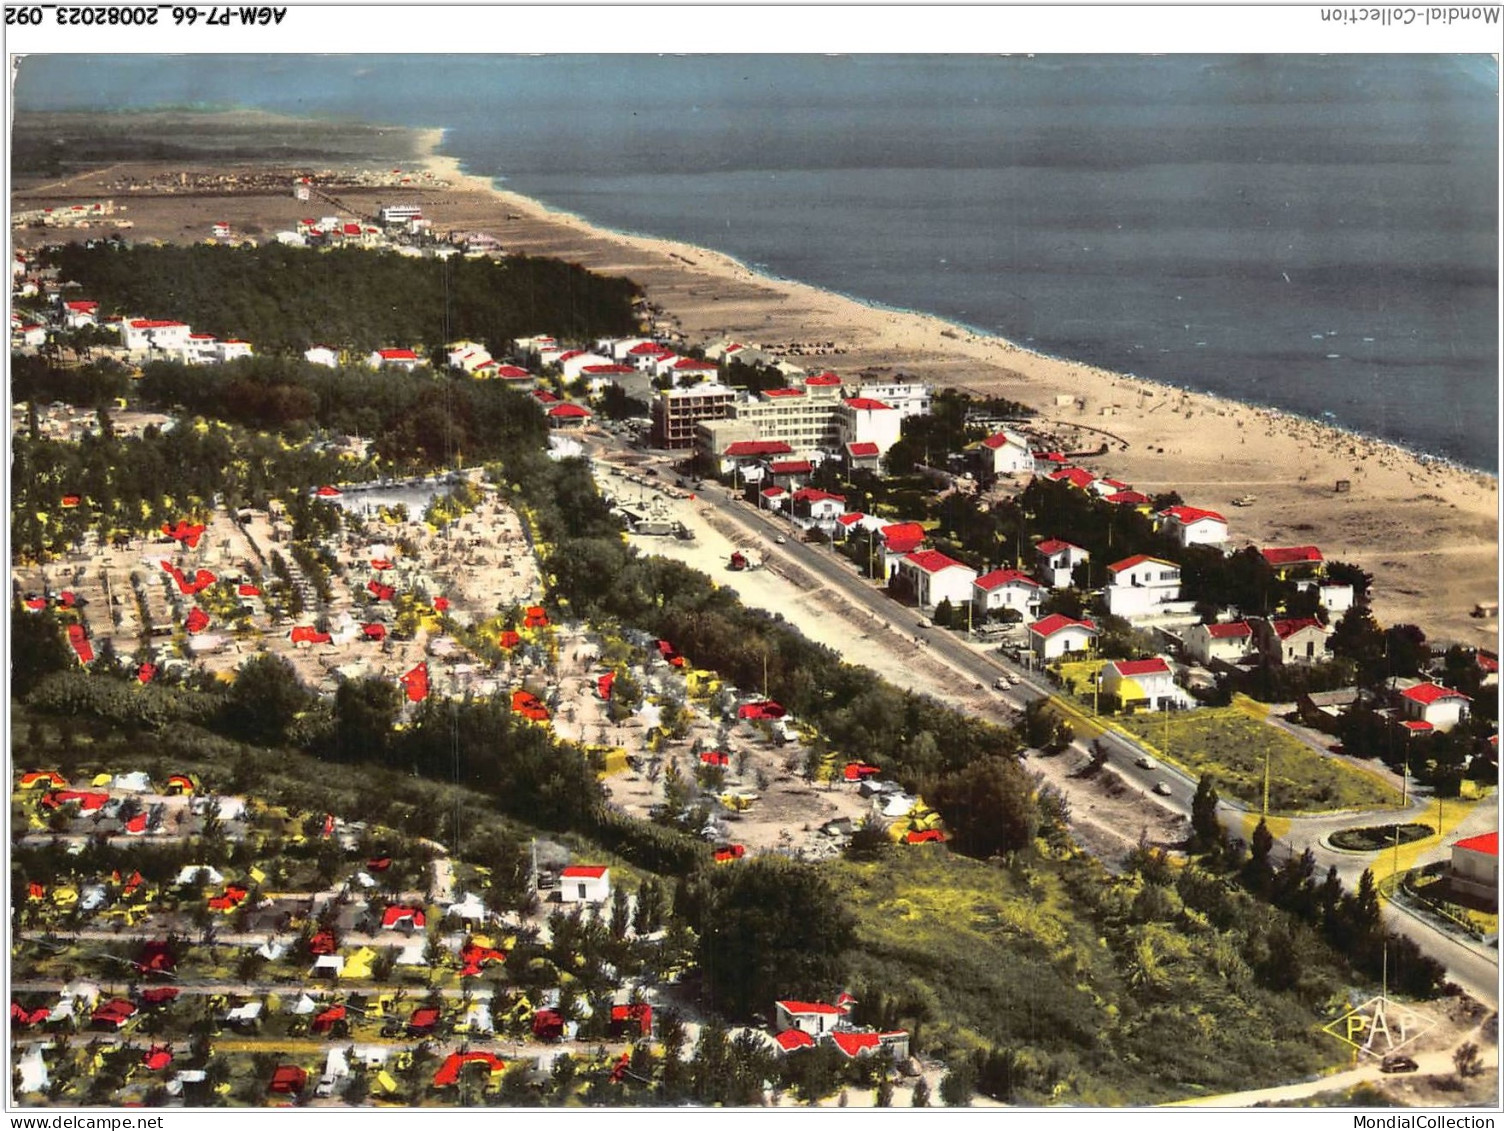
x=1427, y=530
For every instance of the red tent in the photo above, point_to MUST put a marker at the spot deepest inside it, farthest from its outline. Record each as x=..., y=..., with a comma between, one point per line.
x=157, y=1057
x=441, y=604
x=767, y=709
x=603, y=685
x=509, y=639
x=328, y=492
x=422, y=1022
x=306, y=634
x=71, y=500
x=416, y=682
x=146, y=673
x=80, y=642
x=248, y=591
x=289, y=1079
x=25, y=1018
x=324, y=1022
x=185, y=532
x=381, y=563
x=449, y=1071
x=381, y=592
x=374, y=631
x=197, y=621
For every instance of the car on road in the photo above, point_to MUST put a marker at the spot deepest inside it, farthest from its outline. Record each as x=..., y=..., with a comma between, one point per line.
x=1144, y=762
x=1162, y=788
x=780, y=540
x=1398, y=1064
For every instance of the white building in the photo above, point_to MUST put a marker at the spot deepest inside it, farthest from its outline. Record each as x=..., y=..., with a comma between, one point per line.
x=400, y=213
x=907, y=398
x=585, y=883
x=1007, y=453
x=321, y=355
x=1475, y=867
x=1227, y=642
x=1432, y=703
x=394, y=359
x=81, y=313
x=1137, y=585
x=1193, y=526
x=864, y=420
x=1291, y=640
x=202, y=349
x=231, y=348
x=1007, y=589
x=154, y=334
x=936, y=578
x=1057, y=634
x=575, y=362
x=897, y=540
x=1142, y=684
x=821, y=507
x=1056, y=560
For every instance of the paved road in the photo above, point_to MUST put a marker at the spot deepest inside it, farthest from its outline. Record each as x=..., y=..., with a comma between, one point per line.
x=1472, y=967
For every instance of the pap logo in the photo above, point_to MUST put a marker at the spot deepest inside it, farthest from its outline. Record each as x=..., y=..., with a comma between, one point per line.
x=1379, y=1027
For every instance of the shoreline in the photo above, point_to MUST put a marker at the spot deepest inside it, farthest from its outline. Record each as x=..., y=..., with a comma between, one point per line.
x=1425, y=526
x=451, y=169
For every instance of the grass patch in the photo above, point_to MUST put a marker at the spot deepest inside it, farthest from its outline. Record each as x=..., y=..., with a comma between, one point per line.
x=1372, y=838
x=983, y=955
x=1227, y=743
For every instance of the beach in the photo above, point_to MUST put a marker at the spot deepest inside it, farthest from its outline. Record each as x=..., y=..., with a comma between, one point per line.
x=1426, y=530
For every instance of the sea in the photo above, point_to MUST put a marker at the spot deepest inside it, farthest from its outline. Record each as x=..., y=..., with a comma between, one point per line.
x=1317, y=234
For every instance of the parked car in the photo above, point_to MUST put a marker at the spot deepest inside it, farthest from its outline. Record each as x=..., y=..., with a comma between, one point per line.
x=1398, y=1064
x=1145, y=762
x=1162, y=788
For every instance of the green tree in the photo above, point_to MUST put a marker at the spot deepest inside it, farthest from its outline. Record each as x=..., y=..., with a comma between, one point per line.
x=921, y=1094
x=264, y=700
x=769, y=928
x=37, y=648
x=958, y=1085
x=988, y=806
x=1206, y=831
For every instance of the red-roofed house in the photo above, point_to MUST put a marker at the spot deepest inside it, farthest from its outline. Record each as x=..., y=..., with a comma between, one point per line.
x=631, y=1022
x=1142, y=685
x=934, y=577
x=393, y=359
x=1075, y=476
x=567, y=415
x=1226, y=642
x=897, y=541
x=1056, y=560
x=822, y=507
x=772, y=498
x=585, y=883
x=113, y=1015
x=1135, y=499
x=1432, y=703
x=867, y=420
x=1193, y=526
x=1137, y=586
x=81, y=313
x=864, y=456
x=812, y=1017
x=1290, y=640
x=289, y=1080
x=1475, y=867
x=1006, y=589
x=1057, y=634
x=756, y=449
x=1005, y=453
x=789, y=473
x=1295, y=561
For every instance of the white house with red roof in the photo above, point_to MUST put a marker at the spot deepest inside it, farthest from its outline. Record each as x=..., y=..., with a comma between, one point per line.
x=1142, y=685
x=31, y=334
x=1105, y=487
x=690, y=370
x=567, y=415
x=1057, y=634
x=321, y=355
x=821, y=507
x=154, y=334
x=585, y=883
x=773, y=498
x=1138, y=586
x=815, y=1018
x=232, y=348
x=618, y=348
x=935, y=577
x=898, y=539
x=1228, y=643
x=1440, y=707
x=790, y=473
x=1475, y=867
x=573, y=364
x=80, y=313
x=907, y=398
x=1007, y=589
x=1291, y=640
x=864, y=456
x=1055, y=560
x=467, y=356
x=1005, y=453
x=597, y=377
x=404, y=359
x=868, y=420
x=1192, y=526
x=202, y=349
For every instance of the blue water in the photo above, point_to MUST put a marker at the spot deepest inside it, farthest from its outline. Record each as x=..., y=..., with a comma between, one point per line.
x=1318, y=234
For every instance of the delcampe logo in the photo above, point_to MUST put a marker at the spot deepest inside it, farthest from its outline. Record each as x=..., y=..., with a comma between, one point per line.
x=1379, y=1027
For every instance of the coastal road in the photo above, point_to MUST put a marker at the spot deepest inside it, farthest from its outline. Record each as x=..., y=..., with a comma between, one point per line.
x=1472, y=967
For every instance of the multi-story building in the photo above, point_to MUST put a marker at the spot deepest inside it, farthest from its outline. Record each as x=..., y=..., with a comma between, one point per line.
x=907, y=398
x=678, y=412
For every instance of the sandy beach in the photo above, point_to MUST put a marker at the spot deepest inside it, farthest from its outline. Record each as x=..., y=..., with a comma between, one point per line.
x=1427, y=530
